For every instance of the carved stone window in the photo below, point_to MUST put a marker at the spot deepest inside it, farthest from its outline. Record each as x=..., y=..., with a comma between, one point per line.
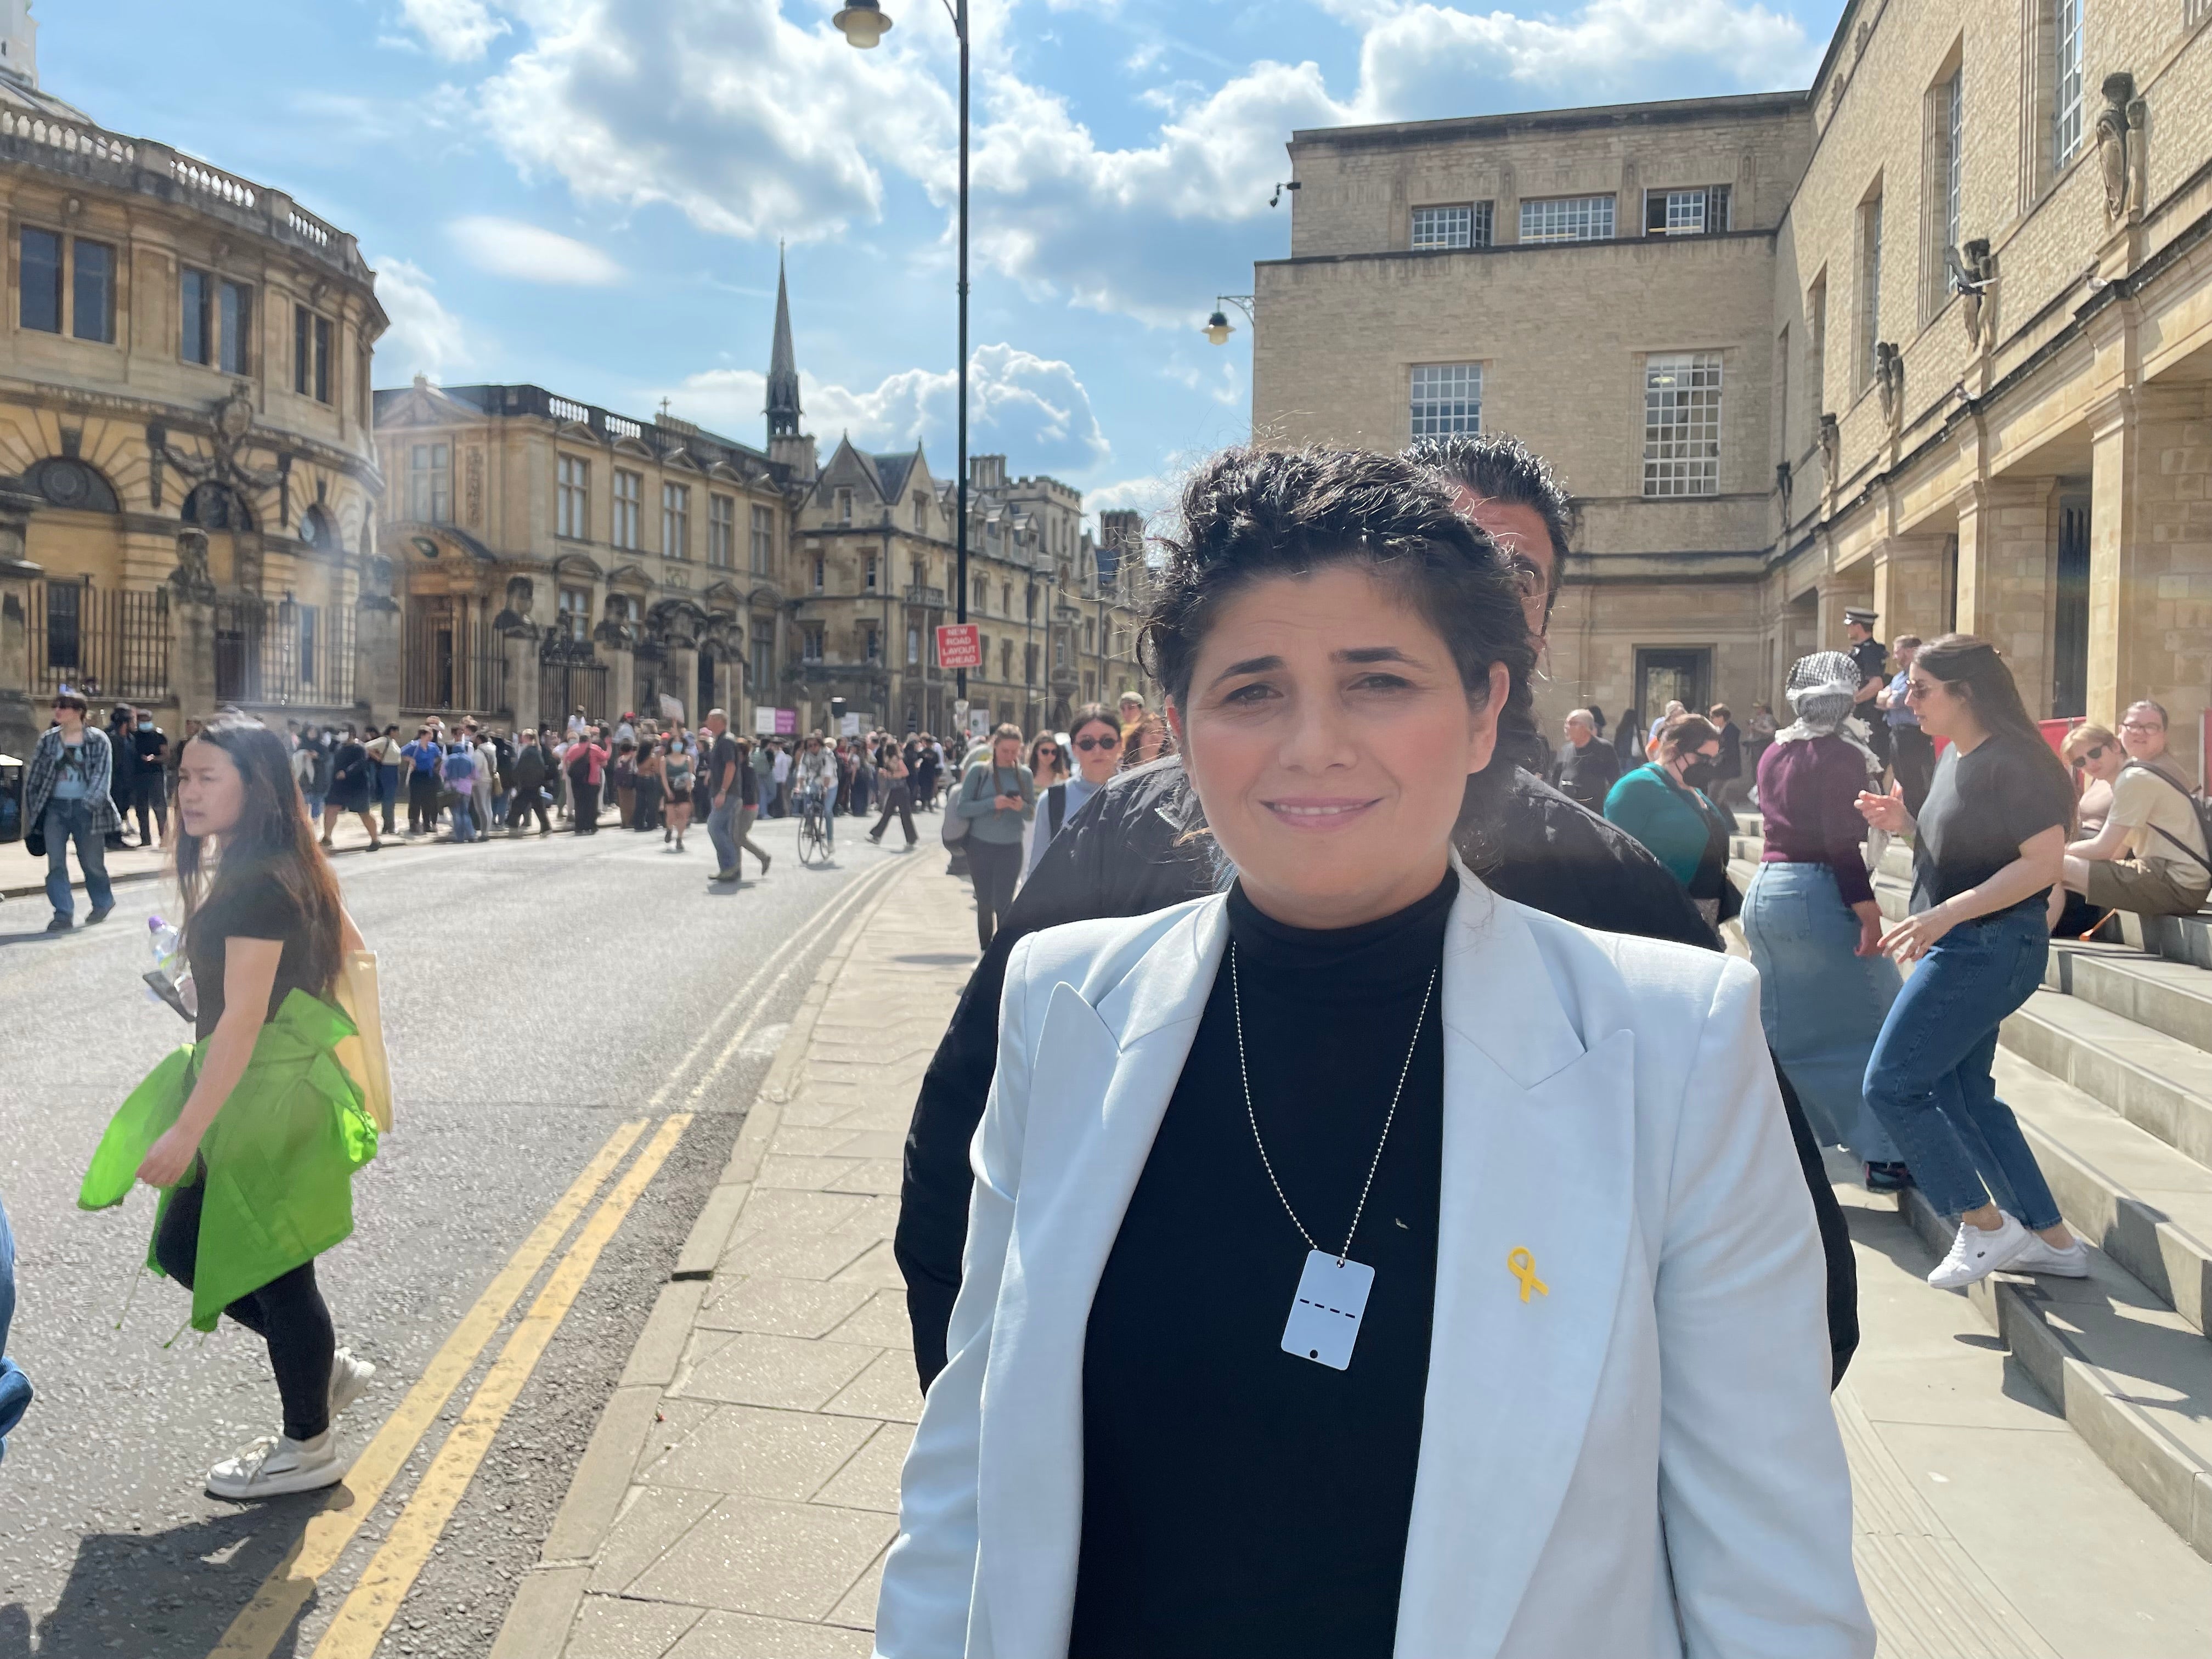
x=73, y=485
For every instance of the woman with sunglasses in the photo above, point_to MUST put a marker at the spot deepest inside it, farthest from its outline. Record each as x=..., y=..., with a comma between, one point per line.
x=1988, y=847
x=1095, y=738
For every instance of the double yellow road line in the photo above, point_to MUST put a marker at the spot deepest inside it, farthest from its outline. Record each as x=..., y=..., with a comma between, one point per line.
x=375, y=1600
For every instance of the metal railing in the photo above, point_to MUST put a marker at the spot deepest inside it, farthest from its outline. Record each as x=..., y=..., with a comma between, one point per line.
x=452, y=662
x=105, y=644
x=277, y=652
x=570, y=676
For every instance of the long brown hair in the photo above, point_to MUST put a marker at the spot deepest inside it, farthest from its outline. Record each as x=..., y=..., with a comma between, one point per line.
x=272, y=840
x=1971, y=668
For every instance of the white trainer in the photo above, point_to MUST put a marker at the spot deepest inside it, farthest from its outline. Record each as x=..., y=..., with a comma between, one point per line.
x=2072, y=1262
x=273, y=1466
x=349, y=1379
x=1977, y=1255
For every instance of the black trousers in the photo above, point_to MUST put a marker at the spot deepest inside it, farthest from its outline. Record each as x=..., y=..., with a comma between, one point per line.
x=1912, y=756
x=588, y=806
x=994, y=866
x=527, y=801
x=422, y=803
x=150, y=795
x=896, y=799
x=289, y=1314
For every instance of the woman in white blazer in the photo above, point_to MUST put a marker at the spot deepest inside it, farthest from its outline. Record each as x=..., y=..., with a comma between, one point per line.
x=1359, y=1263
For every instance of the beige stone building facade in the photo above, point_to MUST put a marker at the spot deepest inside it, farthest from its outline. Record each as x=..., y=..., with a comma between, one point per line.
x=550, y=554
x=1935, y=335
x=185, y=421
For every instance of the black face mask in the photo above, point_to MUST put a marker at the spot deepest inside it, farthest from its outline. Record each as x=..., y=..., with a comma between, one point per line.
x=1700, y=773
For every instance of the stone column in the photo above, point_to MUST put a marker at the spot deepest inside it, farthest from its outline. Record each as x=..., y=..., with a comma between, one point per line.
x=519, y=643
x=21, y=719
x=2008, y=571
x=2150, y=557
x=192, y=628
x=683, y=677
x=1908, y=585
x=622, y=676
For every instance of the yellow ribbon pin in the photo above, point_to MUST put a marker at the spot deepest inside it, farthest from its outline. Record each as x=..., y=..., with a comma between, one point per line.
x=1523, y=1266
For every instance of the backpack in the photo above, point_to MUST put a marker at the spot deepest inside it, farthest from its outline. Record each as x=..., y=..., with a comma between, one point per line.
x=2197, y=805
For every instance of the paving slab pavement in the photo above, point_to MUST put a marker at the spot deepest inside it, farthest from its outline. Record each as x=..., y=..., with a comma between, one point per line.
x=742, y=1489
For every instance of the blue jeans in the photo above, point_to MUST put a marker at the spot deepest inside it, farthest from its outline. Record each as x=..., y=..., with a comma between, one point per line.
x=1928, y=1080
x=465, y=822
x=722, y=830
x=1822, y=1005
x=67, y=821
x=15, y=1391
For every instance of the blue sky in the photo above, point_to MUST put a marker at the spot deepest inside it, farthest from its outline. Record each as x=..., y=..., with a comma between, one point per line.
x=589, y=194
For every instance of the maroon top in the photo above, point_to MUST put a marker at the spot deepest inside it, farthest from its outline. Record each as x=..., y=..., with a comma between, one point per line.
x=1807, y=793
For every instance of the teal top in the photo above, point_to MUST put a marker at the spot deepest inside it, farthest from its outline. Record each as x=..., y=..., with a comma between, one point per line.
x=1646, y=806
x=978, y=792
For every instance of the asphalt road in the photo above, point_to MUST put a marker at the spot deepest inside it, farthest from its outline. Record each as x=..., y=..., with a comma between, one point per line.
x=536, y=994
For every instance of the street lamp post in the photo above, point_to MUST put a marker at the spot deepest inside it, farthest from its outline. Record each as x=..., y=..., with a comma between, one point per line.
x=1218, y=328
x=863, y=24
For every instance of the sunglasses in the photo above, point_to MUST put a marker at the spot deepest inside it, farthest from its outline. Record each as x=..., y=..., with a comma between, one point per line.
x=2098, y=753
x=1087, y=744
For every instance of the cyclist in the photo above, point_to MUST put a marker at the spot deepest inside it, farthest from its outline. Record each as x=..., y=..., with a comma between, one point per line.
x=814, y=781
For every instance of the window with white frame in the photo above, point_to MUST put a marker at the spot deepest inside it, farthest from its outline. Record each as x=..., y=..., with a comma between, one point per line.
x=675, y=521
x=810, y=641
x=1567, y=219
x=1447, y=399
x=2066, y=79
x=1691, y=212
x=1682, y=423
x=1870, y=289
x=573, y=498
x=575, y=610
x=1953, y=105
x=430, y=483
x=630, y=508
x=1462, y=224
x=763, y=549
x=721, y=532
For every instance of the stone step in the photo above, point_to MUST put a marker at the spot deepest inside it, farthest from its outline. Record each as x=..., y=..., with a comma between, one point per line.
x=2168, y=996
x=2133, y=1379
x=2147, y=1205
x=2157, y=1083
x=2178, y=939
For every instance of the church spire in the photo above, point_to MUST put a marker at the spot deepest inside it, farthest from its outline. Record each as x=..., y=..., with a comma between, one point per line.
x=783, y=411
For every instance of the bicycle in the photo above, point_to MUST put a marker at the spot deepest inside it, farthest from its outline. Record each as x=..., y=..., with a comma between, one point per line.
x=814, y=846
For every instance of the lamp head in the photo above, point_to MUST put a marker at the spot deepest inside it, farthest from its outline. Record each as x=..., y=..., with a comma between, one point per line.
x=1218, y=328
x=862, y=23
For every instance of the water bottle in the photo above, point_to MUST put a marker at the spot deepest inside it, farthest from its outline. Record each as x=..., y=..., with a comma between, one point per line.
x=170, y=979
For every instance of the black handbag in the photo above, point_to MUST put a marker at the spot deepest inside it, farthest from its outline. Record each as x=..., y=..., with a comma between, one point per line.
x=35, y=838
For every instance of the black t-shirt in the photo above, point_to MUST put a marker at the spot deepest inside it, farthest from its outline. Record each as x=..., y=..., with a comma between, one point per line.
x=252, y=907
x=1979, y=809
x=724, y=769
x=1873, y=660
x=146, y=744
x=1238, y=1499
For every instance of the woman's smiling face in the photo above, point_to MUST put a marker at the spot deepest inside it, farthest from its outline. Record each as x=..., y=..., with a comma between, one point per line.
x=1329, y=738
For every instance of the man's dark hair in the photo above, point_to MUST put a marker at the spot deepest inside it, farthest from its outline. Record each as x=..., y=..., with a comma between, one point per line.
x=1498, y=466
x=1250, y=514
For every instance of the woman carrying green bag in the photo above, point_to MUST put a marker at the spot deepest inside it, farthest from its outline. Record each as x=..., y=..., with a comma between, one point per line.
x=253, y=1133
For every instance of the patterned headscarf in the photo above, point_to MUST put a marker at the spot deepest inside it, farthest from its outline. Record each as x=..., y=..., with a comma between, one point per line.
x=1822, y=689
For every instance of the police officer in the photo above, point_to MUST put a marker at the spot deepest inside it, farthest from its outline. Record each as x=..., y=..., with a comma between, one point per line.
x=1873, y=663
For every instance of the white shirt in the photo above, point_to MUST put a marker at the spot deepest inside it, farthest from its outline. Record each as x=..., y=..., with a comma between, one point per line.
x=782, y=766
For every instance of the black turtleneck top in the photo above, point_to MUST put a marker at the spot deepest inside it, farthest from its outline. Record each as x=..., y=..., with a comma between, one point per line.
x=1236, y=1499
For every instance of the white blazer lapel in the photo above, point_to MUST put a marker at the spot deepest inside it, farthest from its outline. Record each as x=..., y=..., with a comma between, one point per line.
x=1104, y=1079
x=1538, y=1159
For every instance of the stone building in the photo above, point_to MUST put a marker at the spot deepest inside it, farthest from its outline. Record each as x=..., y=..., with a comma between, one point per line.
x=551, y=555
x=187, y=482
x=1935, y=335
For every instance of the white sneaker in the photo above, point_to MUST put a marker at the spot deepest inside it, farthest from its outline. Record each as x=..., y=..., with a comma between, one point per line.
x=273, y=1466
x=348, y=1378
x=2072, y=1262
x=1977, y=1255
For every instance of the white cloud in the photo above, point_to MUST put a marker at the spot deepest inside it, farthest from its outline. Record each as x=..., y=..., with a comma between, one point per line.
x=1033, y=409
x=456, y=30
x=424, y=338
x=531, y=253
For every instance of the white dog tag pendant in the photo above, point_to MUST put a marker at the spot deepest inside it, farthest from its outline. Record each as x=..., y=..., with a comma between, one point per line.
x=1324, y=1320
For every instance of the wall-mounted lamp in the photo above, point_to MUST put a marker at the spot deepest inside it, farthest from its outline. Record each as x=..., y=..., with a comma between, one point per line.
x=1218, y=328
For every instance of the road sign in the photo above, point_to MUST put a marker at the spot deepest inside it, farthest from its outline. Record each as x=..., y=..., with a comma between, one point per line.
x=787, y=722
x=960, y=645
x=764, y=722
x=979, y=722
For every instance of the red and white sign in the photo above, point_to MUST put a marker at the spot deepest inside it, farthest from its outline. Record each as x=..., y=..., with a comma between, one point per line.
x=960, y=645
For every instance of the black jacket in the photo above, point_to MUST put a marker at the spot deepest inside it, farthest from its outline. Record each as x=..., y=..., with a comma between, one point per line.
x=1127, y=854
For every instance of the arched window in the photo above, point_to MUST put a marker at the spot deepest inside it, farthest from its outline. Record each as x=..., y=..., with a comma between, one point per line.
x=317, y=531
x=216, y=507
x=66, y=482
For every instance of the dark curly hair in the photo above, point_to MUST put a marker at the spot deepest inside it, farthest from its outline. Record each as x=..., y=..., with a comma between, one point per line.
x=1498, y=466
x=1249, y=513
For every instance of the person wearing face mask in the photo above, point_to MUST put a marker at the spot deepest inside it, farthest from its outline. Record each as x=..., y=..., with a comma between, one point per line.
x=1664, y=806
x=149, y=779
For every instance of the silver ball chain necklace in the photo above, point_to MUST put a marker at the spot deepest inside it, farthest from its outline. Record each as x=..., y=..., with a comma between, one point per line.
x=1332, y=1291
